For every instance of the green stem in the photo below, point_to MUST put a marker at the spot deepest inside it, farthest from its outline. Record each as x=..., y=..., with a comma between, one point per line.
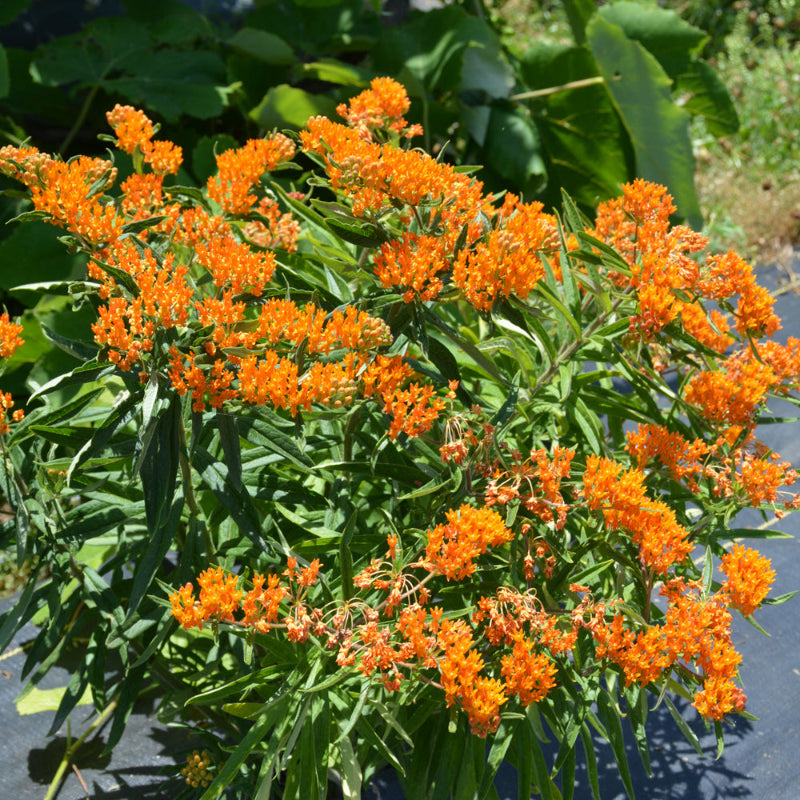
x=186, y=472
x=567, y=352
x=73, y=749
x=81, y=118
x=564, y=87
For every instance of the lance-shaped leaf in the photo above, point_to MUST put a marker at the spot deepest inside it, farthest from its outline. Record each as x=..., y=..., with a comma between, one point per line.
x=659, y=130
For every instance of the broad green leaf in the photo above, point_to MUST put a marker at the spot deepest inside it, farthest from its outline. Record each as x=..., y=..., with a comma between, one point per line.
x=431, y=47
x=175, y=82
x=333, y=71
x=579, y=12
x=11, y=9
x=38, y=700
x=659, y=130
x=90, y=56
x=672, y=40
x=264, y=46
x=586, y=148
x=513, y=147
x=706, y=96
x=285, y=106
x=5, y=81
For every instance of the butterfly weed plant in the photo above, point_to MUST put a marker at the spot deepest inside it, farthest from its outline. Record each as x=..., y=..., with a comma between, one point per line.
x=359, y=465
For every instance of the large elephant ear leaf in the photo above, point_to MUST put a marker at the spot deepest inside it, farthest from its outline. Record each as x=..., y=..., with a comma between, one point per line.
x=658, y=129
x=586, y=147
x=705, y=95
x=672, y=40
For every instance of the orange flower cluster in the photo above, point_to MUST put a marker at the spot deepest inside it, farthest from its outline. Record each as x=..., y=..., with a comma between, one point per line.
x=469, y=532
x=732, y=394
x=272, y=229
x=541, y=475
x=6, y=404
x=239, y=169
x=497, y=257
x=134, y=131
x=680, y=457
x=379, y=108
x=10, y=339
x=127, y=327
x=651, y=524
x=524, y=640
x=749, y=577
x=283, y=355
x=659, y=256
x=695, y=630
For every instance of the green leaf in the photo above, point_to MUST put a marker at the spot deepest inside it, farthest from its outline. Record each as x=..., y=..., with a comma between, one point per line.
x=432, y=47
x=90, y=56
x=232, y=496
x=591, y=761
x=659, y=130
x=513, y=147
x=637, y=713
x=705, y=95
x=85, y=373
x=80, y=350
x=284, y=106
x=780, y=599
x=16, y=616
x=175, y=82
x=262, y=45
x=38, y=700
x=361, y=235
x=726, y=534
x=610, y=717
x=130, y=692
x=501, y=741
x=690, y=735
x=248, y=742
x=579, y=12
x=11, y=9
x=333, y=71
x=262, y=434
x=5, y=82
x=586, y=148
x=351, y=770
x=672, y=40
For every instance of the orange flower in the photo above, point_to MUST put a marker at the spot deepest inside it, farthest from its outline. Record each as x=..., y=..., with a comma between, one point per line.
x=677, y=454
x=469, y=532
x=651, y=523
x=381, y=106
x=131, y=127
x=731, y=396
x=749, y=578
x=10, y=339
x=275, y=230
x=69, y=194
x=240, y=169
